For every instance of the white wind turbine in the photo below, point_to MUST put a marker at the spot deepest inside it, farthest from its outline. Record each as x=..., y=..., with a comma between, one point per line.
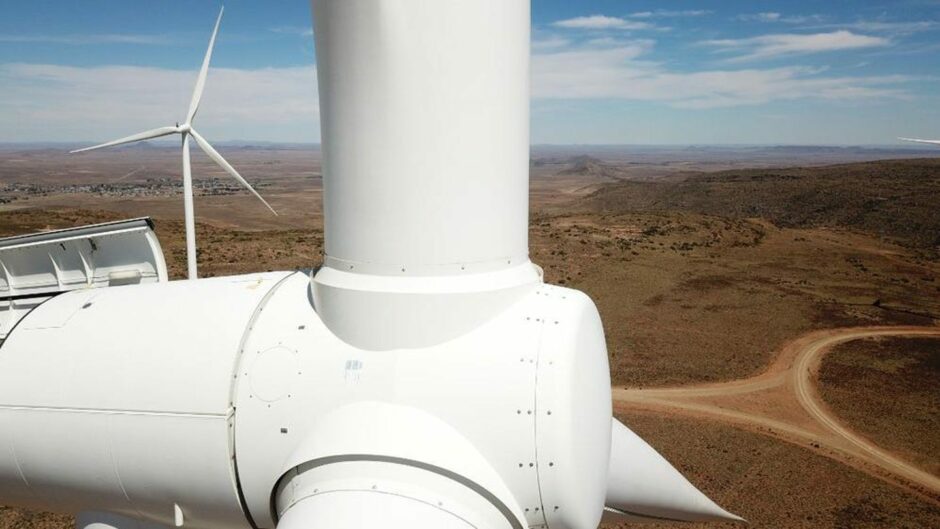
x=186, y=130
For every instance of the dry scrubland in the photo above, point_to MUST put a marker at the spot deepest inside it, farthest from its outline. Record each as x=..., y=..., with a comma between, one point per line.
x=889, y=389
x=699, y=277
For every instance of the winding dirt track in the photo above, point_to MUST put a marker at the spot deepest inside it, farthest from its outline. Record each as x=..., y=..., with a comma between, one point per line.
x=783, y=402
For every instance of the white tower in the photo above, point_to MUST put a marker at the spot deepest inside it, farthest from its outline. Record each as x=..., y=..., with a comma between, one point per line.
x=425, y=133
x=425, y=122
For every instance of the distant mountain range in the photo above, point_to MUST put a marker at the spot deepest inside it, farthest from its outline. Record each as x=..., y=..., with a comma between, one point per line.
x=585, y=149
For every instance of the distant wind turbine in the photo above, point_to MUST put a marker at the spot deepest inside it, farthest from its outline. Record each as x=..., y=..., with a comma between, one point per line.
x=915, y=140
x=186, y=130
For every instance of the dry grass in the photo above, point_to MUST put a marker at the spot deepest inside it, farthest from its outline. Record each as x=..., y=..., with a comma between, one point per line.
x=11, y=518
x=692, y=298
x=896, y=199
x=889, y=390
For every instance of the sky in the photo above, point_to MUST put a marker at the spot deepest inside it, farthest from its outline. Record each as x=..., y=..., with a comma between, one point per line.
x=603, y=71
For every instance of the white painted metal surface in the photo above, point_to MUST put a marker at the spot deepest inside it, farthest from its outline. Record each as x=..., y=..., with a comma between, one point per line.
x=379, y=448
x=425, y=134
x=355, y=508
x=379, y=312
x=186, y=131
x=35, y=267
x=119, y=400
x=165, y=401
x=496, y=386
x=425, y=240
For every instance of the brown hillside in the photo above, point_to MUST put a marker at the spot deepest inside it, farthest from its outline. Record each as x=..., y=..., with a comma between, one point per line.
x=589, y=166
x=897, y=199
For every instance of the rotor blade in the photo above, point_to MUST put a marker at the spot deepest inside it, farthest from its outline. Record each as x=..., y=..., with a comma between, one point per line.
x=217, y=158
x=643, y=486
x=203, y=72
x=915, y=140
x=146, y=135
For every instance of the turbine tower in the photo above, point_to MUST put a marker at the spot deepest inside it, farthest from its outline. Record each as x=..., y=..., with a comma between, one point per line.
x=424, y=376
x=186, y=131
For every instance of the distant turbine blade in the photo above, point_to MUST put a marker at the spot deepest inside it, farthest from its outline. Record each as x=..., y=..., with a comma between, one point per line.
x=150, y=134
x=915, y=140
x=204, y=145
x=201, y=80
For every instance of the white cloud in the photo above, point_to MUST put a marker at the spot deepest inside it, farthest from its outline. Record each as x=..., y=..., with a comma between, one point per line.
x=549, y=42
x=769, y=16
x=56, y=103
x=305, y=32
x=665, y=13
x=622, y=73
x=49, y=102
x=773, y=16
x=111, y=38
x=793, y=43
x=895, y=28
x=601, y=22
x=816, y=21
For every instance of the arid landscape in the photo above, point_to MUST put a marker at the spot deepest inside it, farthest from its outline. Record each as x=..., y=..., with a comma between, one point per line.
x=772, y=314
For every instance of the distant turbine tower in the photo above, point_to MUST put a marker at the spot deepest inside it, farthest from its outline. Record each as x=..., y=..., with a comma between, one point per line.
x=186, y=130
x=915, y=140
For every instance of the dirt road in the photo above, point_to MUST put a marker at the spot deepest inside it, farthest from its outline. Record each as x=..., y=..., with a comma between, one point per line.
x=783, y=401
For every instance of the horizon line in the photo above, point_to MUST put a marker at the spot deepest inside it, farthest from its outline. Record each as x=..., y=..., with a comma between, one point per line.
x=260, y=143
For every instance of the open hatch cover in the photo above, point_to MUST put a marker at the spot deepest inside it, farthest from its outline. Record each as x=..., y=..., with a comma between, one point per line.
x=35, y=267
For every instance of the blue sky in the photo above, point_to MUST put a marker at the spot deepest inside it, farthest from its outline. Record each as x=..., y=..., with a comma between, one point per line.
x=604, y=71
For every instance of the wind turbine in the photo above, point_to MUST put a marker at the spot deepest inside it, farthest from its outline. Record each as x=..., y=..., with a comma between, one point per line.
x=424, y=376
x=186, y=131
x=915, y=140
